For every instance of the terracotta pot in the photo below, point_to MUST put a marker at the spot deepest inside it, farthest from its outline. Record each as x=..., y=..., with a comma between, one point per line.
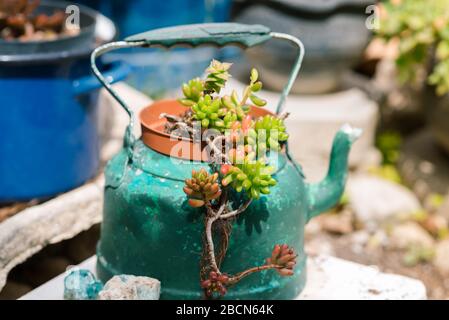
x=154, y=136
x=148, y=227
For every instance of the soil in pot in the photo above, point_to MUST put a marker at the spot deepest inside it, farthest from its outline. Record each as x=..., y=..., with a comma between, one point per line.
x=158, y=121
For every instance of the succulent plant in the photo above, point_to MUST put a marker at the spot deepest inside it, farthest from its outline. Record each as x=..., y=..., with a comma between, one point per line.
x=253, y=177
x=245, y=169
x=215, y=284
x=208, y=111
x=216, y=112
x=254, y=86
x=193, y=91
x=202, y=187
x=217, y=76
x=422, y=29
x=233, y=105
x=268, y=132
x=284, y=257
x=240, y=106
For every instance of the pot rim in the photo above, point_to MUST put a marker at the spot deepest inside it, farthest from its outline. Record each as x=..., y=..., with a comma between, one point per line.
x=162, y=142
x=147, y=125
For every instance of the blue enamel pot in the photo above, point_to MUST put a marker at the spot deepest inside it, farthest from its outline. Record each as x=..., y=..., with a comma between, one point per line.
x=49, y=139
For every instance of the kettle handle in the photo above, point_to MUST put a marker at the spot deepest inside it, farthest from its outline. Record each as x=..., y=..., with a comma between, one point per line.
x=219, y=34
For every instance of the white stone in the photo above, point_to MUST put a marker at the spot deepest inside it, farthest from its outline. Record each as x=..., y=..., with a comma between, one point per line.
x=335, y=279
x=374, y=199
x=314, y=121
x=410, y=234
x=441, y=260
x=312, y=228
x=128, y=287
x=328, y=279
x=378, y=239
x=319, y=245
x=360, y=237
x=340, y=223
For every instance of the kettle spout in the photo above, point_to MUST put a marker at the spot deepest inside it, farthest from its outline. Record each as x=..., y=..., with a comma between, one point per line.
x=324, y=195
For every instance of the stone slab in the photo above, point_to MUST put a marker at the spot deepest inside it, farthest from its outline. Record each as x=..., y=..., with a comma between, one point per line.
x=329, y=278
x=28, y=232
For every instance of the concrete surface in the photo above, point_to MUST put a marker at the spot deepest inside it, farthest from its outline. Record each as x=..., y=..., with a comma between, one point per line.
x=329, y=278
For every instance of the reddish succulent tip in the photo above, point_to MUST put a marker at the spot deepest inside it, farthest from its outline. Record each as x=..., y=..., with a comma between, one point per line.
x=205, y=284
x=196, y=203
x=225, y=169
x=246, y=123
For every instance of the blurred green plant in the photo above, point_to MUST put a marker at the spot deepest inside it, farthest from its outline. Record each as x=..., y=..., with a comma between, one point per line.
x=422, y=29
x=434, y=224
x=435, y=200
x=417, y=254
x=389, y=144
x=388, y=172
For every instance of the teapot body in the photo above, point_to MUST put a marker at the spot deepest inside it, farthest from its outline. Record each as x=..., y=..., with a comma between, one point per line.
x=149, y=229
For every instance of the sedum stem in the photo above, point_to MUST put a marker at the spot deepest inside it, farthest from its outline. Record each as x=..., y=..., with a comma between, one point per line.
x=241, y=275
x=236, y=212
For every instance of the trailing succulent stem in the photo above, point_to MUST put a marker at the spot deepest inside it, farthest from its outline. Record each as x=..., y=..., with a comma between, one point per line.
x=238, y=164
x=283, y=263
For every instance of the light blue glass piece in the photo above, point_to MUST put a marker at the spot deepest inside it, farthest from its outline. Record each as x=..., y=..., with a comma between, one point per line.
x=81, y=284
